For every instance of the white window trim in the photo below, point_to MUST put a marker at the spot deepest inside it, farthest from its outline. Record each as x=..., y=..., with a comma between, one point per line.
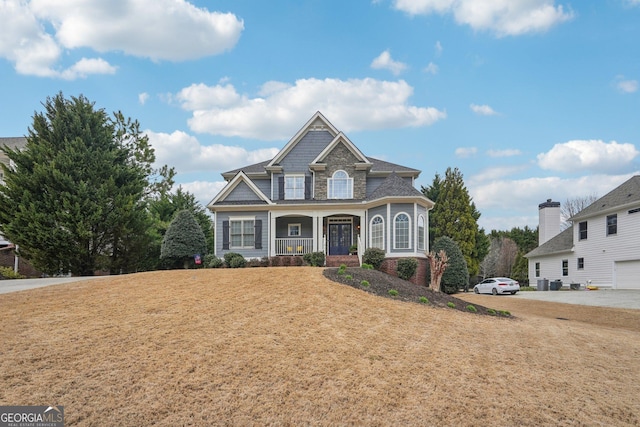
x=294, y=175
x=408, y=231
x=371, y=232
x=242, y=219
x=289, y=226
x=424, y=232
x=330, y=194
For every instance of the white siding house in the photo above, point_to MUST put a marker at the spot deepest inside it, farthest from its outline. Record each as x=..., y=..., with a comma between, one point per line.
x=601, y=248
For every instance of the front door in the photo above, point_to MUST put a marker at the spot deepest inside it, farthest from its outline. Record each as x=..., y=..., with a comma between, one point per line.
x=339, y=238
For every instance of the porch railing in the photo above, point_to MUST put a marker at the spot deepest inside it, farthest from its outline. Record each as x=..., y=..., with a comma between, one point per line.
x=294, y=246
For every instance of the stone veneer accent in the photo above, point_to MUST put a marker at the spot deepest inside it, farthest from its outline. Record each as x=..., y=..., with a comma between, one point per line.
x=340, y=158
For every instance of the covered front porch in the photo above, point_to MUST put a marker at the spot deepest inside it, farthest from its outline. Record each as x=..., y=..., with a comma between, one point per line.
x=333, y=233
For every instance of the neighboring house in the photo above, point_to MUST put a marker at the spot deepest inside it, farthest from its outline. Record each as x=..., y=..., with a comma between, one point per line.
x=13, y=143
x=601, y=248
x=321, y=193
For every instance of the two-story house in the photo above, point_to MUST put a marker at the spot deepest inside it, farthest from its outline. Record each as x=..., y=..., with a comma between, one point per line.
x=321, y=193
x=601, y=248
x=12, y=143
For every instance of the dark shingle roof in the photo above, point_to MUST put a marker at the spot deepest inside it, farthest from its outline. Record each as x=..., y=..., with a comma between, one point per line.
x=394, y=186
x=563, y=242
x=382, y=166
x=255, y=168
x=626, y=193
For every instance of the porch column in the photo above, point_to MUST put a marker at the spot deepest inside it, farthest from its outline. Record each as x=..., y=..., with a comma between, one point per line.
x=315, y=231
x=272, y=235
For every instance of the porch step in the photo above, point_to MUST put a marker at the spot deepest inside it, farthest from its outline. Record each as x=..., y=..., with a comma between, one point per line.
x=337, y=260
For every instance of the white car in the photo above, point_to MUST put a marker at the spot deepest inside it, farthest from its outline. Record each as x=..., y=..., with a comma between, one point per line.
x=497, y=285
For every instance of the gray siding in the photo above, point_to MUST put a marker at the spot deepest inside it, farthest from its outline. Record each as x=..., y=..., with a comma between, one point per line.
x=282, y=226
x=247, y=253
x=305, y=151
x=242, y=193
x=264, y=185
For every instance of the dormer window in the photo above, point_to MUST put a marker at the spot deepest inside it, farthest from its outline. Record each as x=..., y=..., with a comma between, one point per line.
x=340, y=186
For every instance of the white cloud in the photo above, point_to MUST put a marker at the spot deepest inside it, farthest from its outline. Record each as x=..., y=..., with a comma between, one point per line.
x=143, y=98
x=504, y=17
x=385, y=62
x=35, y=34
x=204, y=191
x=355, y=104
x=431, y=68
x=195, y=157
x=482, y=110
x=438, y=47
x=521, y=197
x=464, y=152
x=625, y=85
x=504, y=153
x=589, y=155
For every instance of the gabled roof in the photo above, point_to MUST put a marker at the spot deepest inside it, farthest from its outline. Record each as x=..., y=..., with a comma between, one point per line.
x=231, y=185
x=561, y=243
x=316, y=122
x=394, y=186
x=255, y=169
x=382, y=167
x=628, y=193
x=341, y=138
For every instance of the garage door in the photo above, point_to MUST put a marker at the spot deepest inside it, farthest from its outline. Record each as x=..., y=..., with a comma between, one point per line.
x=628, y=274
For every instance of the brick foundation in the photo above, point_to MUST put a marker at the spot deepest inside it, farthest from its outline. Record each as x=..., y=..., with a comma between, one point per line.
x=390, y=266
x=7, y=259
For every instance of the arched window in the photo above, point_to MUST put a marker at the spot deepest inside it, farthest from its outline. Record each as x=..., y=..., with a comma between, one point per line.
x=401, y=232
x=340, y=186
x=421, y=233
x=377, y=232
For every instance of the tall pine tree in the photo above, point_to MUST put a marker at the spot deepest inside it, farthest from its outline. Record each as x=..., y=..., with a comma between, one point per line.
x=75, y=200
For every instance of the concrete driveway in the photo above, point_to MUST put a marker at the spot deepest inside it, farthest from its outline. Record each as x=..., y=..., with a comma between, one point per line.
x=7, y=286
x=616, y=298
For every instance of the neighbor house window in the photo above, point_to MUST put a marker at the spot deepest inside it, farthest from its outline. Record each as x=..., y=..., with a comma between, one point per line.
x=242, y=233
x=294, y=187
x=421, y=230
x=377, y=232
x=565, y=267
x=340, y=186
x=401, y=231
x=294, y=230
x=580, y=263
x=582, y=227
x=612, y=224
x=537, y=269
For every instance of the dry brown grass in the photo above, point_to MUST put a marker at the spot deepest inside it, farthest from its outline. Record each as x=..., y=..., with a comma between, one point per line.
x=286, y=346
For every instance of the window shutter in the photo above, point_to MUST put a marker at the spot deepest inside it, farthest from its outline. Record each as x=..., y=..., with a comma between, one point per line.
x=307, y=187
x=281, y=188
x=225, y=234
x=258, y=233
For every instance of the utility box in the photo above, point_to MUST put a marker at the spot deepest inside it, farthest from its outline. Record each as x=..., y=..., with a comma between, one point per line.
x=543, y=284
x=556, y=285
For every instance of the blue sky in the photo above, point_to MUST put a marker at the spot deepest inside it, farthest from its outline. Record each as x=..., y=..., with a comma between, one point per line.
x=530, y=99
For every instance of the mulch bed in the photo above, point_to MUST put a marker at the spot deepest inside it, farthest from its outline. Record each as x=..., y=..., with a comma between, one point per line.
x=381, y=283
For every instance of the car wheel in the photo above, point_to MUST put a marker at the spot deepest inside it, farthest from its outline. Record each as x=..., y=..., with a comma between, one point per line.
x=476, y=290
x=514, y=292
x=494, y=291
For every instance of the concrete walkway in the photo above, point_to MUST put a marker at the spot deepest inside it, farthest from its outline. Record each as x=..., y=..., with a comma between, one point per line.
x=7, y=286
x=616, y=298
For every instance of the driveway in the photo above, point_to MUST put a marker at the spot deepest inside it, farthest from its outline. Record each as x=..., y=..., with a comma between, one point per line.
x=7, y=286
x=616, y=298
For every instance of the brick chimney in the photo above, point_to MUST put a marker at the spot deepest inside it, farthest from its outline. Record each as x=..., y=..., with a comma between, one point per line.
x=548, y=221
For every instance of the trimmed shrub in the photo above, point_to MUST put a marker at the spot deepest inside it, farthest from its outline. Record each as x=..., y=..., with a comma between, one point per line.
x=366, y=266
x=8, y=273
x=183, y=240
x=451, y=305
x=314, y=259
x=374, y=257
x=229, y=256
x=456, y=275
x=212, y=261
x=407, y=268
x=365, y=283
x=393, y=292
x=237, y=262
x=348, y=277
x=471, y=308
x=424, y=300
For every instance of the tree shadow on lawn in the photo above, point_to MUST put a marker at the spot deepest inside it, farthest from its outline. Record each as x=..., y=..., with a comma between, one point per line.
x=380, y=284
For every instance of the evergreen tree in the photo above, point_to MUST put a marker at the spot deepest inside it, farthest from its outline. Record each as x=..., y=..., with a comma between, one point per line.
x=456, y=275
x=75, y=200
x=183, y=240
x=455, y=216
